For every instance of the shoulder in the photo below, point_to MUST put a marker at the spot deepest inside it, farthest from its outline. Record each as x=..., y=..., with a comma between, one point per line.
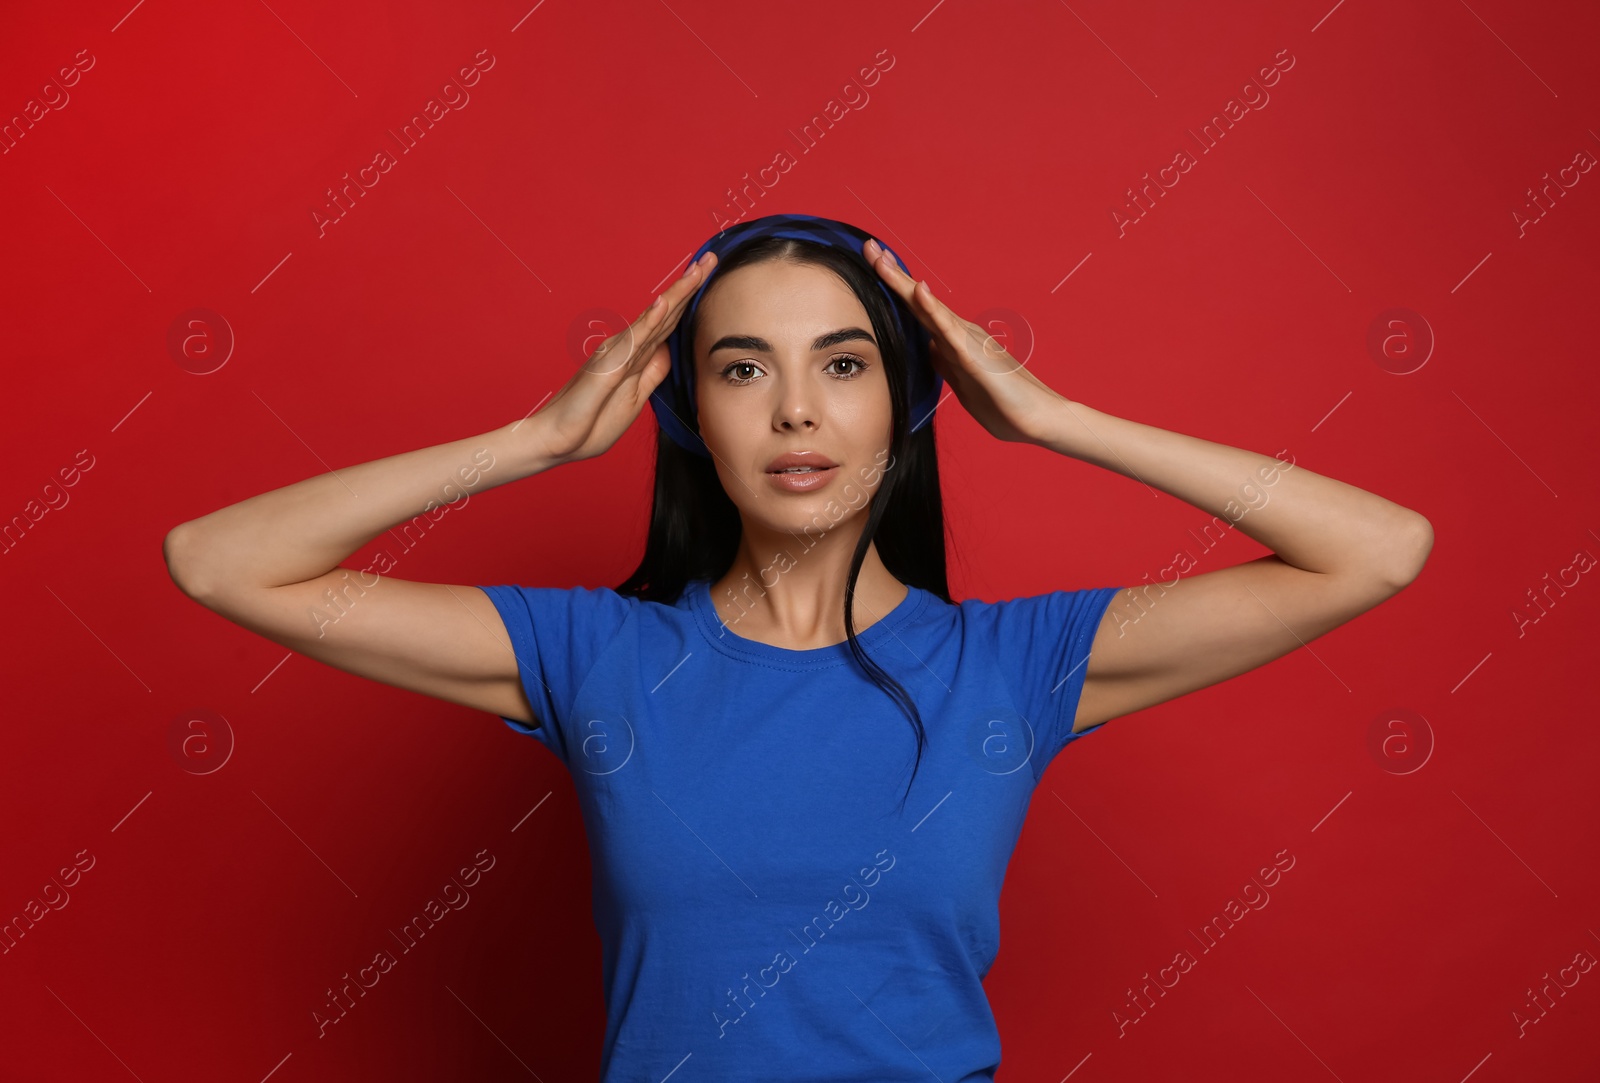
x=1056, y=609
x=576, y=610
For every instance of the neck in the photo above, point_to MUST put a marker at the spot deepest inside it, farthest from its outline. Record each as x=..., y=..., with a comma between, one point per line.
x=789, y=590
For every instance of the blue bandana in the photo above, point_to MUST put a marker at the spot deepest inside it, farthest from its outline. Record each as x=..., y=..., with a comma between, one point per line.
x=673, y=400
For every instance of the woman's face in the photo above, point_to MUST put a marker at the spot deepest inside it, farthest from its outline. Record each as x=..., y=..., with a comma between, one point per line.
x=786, y=362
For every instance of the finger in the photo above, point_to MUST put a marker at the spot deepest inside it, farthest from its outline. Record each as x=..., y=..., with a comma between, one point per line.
x=940, y=313
x=659, y=320
x=889, y=271
x=637, y=342
x=679, y=291
x=929, y=310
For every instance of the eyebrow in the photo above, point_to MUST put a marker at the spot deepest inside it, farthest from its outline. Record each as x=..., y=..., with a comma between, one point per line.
x=760, y=345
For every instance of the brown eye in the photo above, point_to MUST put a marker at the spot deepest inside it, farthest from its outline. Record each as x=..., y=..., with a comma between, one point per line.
x=727, y=372
x=849, y=359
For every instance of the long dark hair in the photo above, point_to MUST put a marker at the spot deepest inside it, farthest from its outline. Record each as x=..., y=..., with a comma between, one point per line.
x=695, y=527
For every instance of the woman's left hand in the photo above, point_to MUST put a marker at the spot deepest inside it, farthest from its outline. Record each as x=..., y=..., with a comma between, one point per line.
x=1007, y=400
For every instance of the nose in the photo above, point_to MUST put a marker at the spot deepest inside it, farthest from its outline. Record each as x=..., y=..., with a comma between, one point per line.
x=796, y=409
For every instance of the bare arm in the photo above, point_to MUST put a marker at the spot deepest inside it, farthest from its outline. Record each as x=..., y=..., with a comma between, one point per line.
x=271, y=563
x=1337, y=551
x=302, y=531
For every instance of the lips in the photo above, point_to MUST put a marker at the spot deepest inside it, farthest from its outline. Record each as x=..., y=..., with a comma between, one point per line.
x=794, y=460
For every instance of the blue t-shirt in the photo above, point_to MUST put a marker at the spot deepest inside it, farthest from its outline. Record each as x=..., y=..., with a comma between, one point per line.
x=765, y=909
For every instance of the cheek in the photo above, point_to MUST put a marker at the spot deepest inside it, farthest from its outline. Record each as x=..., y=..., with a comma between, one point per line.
x=868, y=418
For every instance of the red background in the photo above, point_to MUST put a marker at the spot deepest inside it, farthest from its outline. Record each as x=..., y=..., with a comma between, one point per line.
x=184, y=172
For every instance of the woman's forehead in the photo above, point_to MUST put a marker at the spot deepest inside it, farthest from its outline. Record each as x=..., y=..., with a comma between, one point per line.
x=780, y=301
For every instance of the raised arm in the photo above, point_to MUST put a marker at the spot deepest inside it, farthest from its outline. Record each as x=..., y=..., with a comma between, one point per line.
x=1337, y=551
x=271, y=563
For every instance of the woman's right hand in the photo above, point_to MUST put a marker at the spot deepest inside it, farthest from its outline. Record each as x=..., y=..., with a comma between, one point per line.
x=594, y=408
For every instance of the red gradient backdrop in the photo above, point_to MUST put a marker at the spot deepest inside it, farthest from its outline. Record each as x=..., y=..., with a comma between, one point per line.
x=1379, y=259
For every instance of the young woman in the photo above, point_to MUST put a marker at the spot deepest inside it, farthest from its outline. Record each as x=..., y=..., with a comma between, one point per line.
x=801, y=766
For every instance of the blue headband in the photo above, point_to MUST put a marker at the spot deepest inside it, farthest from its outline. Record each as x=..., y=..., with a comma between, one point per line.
x=673, y=400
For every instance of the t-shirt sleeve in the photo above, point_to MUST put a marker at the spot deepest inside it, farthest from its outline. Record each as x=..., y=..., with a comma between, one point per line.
x=1042, y=645
x=558, y=635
